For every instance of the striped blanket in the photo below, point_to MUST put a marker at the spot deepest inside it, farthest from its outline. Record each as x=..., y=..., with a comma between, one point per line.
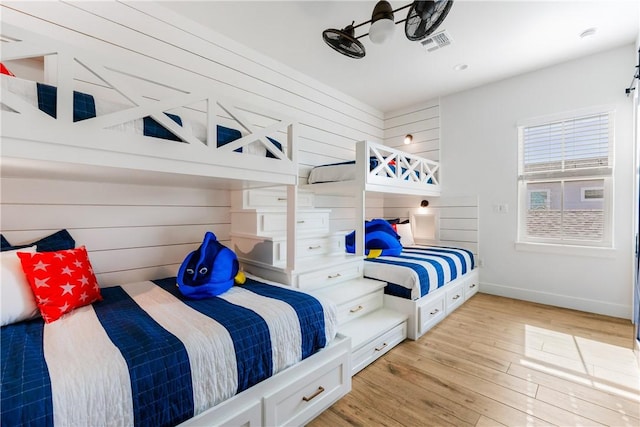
x=146, y=356
x=419, y=270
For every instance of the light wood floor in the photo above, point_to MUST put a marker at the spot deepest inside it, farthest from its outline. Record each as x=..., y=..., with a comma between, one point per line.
x=497, y=361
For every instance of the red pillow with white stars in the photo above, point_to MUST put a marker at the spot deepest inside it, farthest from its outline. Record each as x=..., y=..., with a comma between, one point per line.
x=61, y=281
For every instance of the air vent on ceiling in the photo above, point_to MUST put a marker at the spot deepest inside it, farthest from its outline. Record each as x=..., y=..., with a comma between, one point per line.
x=437, y=41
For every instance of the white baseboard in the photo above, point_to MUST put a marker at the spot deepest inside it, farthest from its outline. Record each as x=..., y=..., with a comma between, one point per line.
x=565, y=301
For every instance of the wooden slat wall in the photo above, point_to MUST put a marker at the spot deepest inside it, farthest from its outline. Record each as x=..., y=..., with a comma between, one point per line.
x=137, y=232
x=132, y=232
x=459, y=218
x=422, y=121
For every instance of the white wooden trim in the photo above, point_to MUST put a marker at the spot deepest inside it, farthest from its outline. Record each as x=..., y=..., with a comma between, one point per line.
x=392, y=182
x=27, y=129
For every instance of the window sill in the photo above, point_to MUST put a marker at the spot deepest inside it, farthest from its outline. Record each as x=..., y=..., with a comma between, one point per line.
x=549, y=248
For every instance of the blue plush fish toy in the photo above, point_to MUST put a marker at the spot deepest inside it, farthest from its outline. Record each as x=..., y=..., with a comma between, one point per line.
x=380, y=239
x=208, y=271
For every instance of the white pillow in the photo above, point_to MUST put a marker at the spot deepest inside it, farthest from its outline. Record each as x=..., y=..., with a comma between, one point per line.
x=406, y=236
x=18, y=301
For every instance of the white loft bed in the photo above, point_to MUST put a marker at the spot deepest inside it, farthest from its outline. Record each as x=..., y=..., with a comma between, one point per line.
x=379, y=168
x=32, y=139
x=35, y=144
x=375, y=171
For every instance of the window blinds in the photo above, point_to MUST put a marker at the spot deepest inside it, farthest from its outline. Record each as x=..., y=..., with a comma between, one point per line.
x=578, y=146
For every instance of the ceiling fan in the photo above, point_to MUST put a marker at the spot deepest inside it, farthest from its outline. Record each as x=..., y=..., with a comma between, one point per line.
x=422, y=19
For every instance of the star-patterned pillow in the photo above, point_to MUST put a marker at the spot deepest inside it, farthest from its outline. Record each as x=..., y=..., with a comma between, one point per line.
x=61, y=281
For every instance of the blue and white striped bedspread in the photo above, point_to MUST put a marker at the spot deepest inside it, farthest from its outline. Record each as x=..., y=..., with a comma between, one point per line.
x=419, y=270
x=146, y=356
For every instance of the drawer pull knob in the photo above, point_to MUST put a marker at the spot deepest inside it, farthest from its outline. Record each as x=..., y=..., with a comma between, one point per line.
x=315, y=247
x=282, y=199
x=314, y=395
x=300, y=222
x=381, y=348
x=436, y=311
x=357, y=309
x=456, y=297
x=334, y=276
x=472, y=286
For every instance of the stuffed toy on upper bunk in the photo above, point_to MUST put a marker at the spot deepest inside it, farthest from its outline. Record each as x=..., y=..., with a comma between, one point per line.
x=380, y=239
x=210, y=270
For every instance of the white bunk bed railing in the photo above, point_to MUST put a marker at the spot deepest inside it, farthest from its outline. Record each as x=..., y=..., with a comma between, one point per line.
x=31, y=134
x=395, y=170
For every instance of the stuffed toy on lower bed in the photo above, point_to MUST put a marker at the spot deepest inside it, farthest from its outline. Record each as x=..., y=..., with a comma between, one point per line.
x=210, y=270
x=380, y=239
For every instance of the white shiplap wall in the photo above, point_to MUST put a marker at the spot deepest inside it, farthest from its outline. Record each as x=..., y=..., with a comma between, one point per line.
x=422, y=121
x=132, y=232
x=136, y=231
x=458, y=217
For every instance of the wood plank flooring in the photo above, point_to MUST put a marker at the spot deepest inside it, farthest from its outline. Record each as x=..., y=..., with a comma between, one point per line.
x=497, y=361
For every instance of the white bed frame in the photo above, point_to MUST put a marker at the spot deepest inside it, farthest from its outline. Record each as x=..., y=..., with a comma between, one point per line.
x=409, y=178
x=37, y=145
x=383, y=179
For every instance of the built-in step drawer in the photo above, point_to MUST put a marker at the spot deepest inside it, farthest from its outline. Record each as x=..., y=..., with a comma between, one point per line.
x=265, y=223
x=454, y=297
x=273, y=251
x=322, y=245
x=305, y=398
x=256, y=198
x=372, y=350
x=430, y=314
x=330, y=275
x=359, y=307
x=373, y=334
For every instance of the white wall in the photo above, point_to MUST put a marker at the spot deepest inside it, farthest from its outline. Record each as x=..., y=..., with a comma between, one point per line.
x=479, y=156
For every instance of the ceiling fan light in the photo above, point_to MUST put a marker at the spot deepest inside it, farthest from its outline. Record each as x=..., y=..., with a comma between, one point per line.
x=382, y=23
x=381, y=31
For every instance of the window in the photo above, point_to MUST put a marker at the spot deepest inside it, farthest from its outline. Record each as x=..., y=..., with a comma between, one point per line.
x=591, y=193
x=565, y=180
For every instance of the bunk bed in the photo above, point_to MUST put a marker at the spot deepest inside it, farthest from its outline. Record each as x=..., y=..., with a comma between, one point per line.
x=436, y=280
x=131, y=133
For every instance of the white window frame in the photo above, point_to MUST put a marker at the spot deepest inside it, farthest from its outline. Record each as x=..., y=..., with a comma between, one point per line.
x=525, y=241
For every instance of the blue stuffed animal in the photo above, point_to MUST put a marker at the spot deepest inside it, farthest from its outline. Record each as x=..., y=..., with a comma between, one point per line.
x=380, y=239
x=208, y=271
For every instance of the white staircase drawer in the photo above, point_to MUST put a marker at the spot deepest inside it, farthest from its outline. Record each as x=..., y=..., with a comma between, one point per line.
x=319, y=246
x=267, y=198
x=431, y=314
x=372, y=350
x=359, y=307
x=454, y=297
x=330, y=275
x=267, y=223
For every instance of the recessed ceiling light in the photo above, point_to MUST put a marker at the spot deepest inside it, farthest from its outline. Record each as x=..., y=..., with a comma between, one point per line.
x=461, y=67
x=587, y=33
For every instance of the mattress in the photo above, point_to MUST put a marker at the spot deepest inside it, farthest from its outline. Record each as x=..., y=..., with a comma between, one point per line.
x=147, y=356
x=419, y=270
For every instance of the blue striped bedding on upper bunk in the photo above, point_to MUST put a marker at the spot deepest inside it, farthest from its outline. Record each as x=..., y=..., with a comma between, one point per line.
x=419, y=270
x=146, y=356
